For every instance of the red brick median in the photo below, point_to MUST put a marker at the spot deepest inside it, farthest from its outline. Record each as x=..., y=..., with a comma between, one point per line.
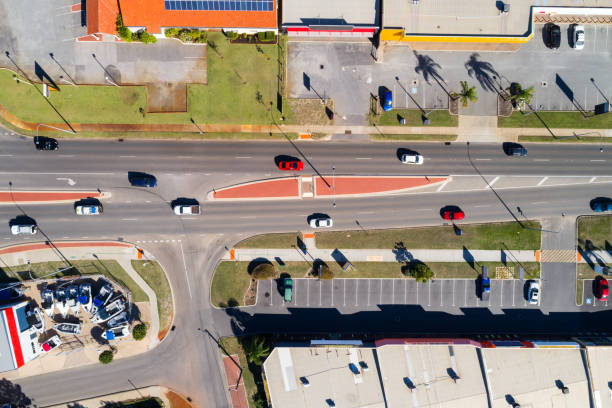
x=357, y=185
x=278, y=188
x=42, y=245
x=22, y=197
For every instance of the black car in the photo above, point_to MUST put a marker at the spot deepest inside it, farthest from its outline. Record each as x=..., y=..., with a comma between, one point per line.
x=553, y=34
x=514, y=149
x=45, y=143
x=142, y=179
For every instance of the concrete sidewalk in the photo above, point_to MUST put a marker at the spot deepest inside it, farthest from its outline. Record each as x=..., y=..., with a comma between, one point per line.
x=386, y=255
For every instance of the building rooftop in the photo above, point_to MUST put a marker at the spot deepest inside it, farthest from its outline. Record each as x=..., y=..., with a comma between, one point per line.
x=157, y=14
x=430, y=375
x=328, y=372
x=534, y=377
x=331, y=13
x=102, y=16
x=601, y=375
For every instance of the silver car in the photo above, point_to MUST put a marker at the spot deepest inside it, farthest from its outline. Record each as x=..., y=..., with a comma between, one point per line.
x=533, y=293
x=19, y=229
x=412, y=159
x=578, y=36
x=321, y=222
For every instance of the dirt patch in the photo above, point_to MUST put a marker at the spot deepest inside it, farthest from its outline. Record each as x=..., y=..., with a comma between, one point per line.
x=164, y=330
x=251, y=294
x=166, y=97
x=128, y=95
x=176, y=401
x=311, y=111
x=504, y=106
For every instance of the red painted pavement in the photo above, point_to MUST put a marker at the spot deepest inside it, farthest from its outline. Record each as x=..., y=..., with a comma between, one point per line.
x=42, y=196
x=75, y=7
x=232, y=373
x=42, y=245
x=278, y=188
x=14, y=334
x=345, y=185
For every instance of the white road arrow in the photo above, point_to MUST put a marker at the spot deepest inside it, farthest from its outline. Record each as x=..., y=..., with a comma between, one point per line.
x=69, y=180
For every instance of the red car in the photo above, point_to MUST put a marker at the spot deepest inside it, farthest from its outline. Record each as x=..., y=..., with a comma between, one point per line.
x=601, y=290
x=294, y=165
x=453, y=215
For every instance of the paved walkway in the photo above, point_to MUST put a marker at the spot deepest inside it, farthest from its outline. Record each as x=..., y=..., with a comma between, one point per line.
x=103, y=400
x=234, y=377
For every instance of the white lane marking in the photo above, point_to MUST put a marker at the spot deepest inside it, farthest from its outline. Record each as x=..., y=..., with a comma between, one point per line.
x=127, y=157
x=248, y=217
x=363, y=158
x=493, y=182
x=540, y=202
x=541, y=160
x=592, y=179
x=227, y=174
x=207, y=174
x=187, y=174
x=70, y=181
x=147, y=201
x=366, y=212
x=185, y=157
x=481, y=206
x=442, y=186
x=244, y=157
x=6, y=155
x=188, y=218
x=66, y=155
x=483, y=159
x=597, y=160
x=423, y=209
x=543, y=181
x=129, y=219
x=56, y=174
x=185, y=266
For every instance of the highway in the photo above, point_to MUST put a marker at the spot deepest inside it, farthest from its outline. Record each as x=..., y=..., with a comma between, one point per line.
x=187, y=359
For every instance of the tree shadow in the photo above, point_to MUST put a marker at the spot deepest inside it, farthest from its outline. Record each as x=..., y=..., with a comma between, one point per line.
x=255, y=263
x=482, y=71
x=401, y=253
x=11, y=393
x=427, y=67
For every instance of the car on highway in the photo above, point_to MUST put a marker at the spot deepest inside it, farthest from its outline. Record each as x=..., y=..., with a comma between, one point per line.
x=88, y=209
x=601, y=289
x=387, y=100
x=291, y=165
x=187, y=209
x=453, y=214
x=577, y=36
x=142, y=179
x=45, y=143
x=533, y=292
x=320, y=221
x=412, y=159
x=24, y=229
x=553, y=36
x=601, y=204
x=288, y=289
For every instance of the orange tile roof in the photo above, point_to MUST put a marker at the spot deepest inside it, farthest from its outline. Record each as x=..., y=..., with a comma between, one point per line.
x=102, y=16
x=153, y=15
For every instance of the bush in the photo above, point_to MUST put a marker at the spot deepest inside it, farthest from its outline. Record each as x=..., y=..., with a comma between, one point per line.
x=264, y=271
x=265, y=36
x=325, y=273
x=171, y=32
x=124, y=33
x=144, y=37
x=106, y=357
x=139, y=331
x=232, y=35
x=420, y=272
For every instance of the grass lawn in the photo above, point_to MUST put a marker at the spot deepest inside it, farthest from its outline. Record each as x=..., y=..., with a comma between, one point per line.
x=413, y=118
x=595, y=228
x=232, y=346
x=424, y=138
x=110, y=269
x=583, y=139
x=556, y=120
x=231, y=279
x=154, y=275
x=286, y=240
x=236, y=93
x=475, y=236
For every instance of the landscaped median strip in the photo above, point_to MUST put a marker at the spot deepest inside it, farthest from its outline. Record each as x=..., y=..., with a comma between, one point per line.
x=40, y=197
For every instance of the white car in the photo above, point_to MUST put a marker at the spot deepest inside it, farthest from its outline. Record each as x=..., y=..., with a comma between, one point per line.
x=29, y=229
x=88, y=209
x=412, y=159
x=187, y=209
x=533, y=293
x=578, y=37
x=321, y=222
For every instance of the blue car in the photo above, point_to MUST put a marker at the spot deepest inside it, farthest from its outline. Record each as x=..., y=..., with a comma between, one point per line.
x=387, y=102
x=602, y=206
x=142, y=179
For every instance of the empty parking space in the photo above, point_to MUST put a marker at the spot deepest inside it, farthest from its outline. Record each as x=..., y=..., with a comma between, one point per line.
x=363, y=294
x=588, y=296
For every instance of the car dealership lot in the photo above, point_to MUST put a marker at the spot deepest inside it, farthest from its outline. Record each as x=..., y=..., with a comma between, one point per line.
x=352, y=295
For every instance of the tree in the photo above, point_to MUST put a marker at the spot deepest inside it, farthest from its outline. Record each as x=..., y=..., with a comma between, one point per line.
x=139, y=331
x=467, y=94
x=264, y=271
x=255, y=349
x=521, y=96
x=420, y=272
x=106, y=357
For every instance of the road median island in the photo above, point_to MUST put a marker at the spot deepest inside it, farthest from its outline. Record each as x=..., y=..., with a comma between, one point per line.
x=41, y=196
x=555, y=120
x=232, y=278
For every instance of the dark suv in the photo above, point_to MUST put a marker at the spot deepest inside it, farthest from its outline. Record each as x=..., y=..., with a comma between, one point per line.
x=553, y=36
x=45, y=143
x=141, y=179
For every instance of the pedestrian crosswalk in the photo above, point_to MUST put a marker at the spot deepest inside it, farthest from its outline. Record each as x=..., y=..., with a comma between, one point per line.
x=558, y=255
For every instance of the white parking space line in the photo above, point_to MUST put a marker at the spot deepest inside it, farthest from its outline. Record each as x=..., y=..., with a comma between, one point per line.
x=366, y=212
x=465, y=293
x=295, y=296
x=308, y=293
x=271, y=291
x=441, y=292
x=381, y=291
x=513, y=288
x=453, y=292
x=356, y=291
x=369, y=292
x=344, y=292
x=320, y=285
x=540, y=202
x=543, y=181
x=392, y=291
x=127, y=157
x=405, y=291
x=332, y=291
x=429, y=290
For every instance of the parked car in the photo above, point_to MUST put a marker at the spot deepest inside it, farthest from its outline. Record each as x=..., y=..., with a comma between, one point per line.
x=533, y=292
x=89, y=209
x=485, y=284
x=321, y=221
x=142, y=179
x=601, y=204
x=412, y=159
x=601, y=289
x=553, y=36
x=293, y=165
x=288, y=289
x=452, y=215
x=387, y=100
x=577, y=36
x=45, y=143
x=24, y=229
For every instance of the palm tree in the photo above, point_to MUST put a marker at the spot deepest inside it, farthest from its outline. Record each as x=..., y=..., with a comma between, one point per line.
x=467, y=94
x=521, y=96
x=255, y=349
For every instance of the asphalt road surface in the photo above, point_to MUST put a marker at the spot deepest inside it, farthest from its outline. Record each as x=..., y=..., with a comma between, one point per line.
x=190, y=247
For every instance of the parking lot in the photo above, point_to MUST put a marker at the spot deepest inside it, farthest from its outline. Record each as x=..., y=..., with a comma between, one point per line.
x=363, y=294
x=588, y=298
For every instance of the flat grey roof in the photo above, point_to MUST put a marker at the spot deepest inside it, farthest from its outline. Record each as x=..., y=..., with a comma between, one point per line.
x=6, y=357
x=601, y=372
x=331, y=12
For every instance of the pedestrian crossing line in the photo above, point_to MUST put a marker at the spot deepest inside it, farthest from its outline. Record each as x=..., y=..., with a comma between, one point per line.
x=158, y=241
x=558, y=255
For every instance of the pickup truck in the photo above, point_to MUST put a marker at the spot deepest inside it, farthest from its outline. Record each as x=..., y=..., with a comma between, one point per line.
x=288, y=286
x=485, y=285
x=187, y=209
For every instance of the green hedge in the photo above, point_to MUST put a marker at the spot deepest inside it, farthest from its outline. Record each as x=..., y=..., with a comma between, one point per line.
x=106, y=357
x=139, y=331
